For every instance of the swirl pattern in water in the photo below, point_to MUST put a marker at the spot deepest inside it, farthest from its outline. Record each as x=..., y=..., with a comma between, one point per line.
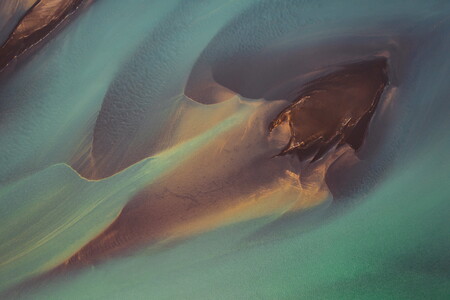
x=224, y=149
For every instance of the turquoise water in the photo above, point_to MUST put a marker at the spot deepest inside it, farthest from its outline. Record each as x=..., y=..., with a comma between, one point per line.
x=128, y=63
x=394, y=245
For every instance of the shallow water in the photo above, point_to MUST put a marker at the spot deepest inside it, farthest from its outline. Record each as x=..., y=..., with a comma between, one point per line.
x=157, y=112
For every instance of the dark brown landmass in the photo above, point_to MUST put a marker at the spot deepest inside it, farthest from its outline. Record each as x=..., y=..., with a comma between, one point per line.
x=334, y=110
x=37, y=23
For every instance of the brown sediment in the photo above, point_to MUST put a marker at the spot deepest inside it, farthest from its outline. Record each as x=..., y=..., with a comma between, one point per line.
x=163, y=214
x=229, y=180
x=334, y=109
x=37, y=23
x=225, y=183
x=210, y=191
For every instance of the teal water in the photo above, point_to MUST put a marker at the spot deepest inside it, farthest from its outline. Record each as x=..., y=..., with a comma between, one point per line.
x=390, y=239
x=393, y=246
